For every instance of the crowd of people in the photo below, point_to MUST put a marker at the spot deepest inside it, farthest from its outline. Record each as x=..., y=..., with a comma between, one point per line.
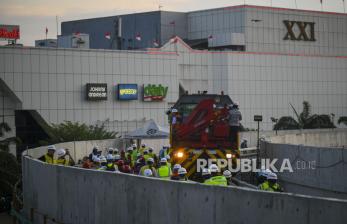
x=144, y=162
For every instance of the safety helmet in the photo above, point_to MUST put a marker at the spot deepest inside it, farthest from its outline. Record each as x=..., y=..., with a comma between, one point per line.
x=205, y=172
x=61, y=152
x=96, y=147
x=51, y=147
x=96, y=159
x=115, y=150
x=134, y=145
x=177, y=166
x=110, y=149
x=145, y=152
x=150, y=160
x=163, y=160
x=182, y=171
x=236, y=104
x=214, y=168
x=174, y=110
x=130, y=149
x=168, y=157
x=148, y=173
x=227, y=173
x=271, y=176
x=103, y=159
x=143, y=145
x=150, y=149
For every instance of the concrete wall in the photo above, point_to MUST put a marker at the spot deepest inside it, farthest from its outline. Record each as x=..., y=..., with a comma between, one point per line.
x=73, y=195
x=318, y=170
x=81, y=148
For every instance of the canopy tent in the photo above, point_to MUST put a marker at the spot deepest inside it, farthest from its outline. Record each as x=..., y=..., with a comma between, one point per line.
x=151, y=130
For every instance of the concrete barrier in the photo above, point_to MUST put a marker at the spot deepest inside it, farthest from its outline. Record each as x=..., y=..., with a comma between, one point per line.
x=319, y=171
x=74, y=195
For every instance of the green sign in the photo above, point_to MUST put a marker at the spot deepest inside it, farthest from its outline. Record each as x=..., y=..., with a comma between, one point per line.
x=154, y=92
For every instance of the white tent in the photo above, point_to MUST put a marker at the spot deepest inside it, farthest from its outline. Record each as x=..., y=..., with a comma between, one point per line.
x=150, y=130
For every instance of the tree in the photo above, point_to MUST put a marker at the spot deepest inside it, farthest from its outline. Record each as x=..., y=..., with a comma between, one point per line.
x=305, y=120
x=74, y=131
x=5, y=143
x=342, y=120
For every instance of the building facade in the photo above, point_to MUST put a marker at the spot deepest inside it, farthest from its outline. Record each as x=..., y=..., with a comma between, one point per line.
x=289, y=56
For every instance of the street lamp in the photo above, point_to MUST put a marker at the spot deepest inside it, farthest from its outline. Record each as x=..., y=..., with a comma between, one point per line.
x=258, y=119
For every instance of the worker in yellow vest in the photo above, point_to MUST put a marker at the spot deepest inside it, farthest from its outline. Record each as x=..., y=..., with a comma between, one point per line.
x=62, y=160
x=164, y=170
x=146, y=155
x=143, y=148
x=270, y=184
x=49, y=156
x=150, y=165
x=216, y=178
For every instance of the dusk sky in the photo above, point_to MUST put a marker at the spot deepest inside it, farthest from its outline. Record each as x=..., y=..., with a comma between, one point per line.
x=34, y=16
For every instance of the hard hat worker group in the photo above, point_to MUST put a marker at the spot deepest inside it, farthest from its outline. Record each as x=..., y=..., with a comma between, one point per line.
x=144, y=162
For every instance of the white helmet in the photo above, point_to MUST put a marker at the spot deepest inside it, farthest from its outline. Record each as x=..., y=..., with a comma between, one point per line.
x=150, y=149
x=117, y=157
x=51, y=147
x=109, y=157
x=150, y=160
x=103, y=159
x=236, y=103
x=110, y=149
x=177, y=166
x=134, y=145
x=96, y=159
x=61, y=152
x=96, y=147
x=227, y=173
x=148, y=173
x=163, y=160
x=143, y=145
x=271, y=176
x=214, y=168
x=115, y=150
x=206, y=171
x=145, y=152
x=182, y=170
x=167, y=157
x=130, y=149
x=174, y=110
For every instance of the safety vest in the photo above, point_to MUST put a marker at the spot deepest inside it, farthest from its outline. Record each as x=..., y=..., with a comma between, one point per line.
x=266, y=187
x=164, y=172
x=146, y=157
x=64, y=162
x=48, y=159
x=217, y=180
x=142, y=170
x=141, y=150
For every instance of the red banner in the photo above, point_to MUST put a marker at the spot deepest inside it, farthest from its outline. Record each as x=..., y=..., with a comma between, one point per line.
x=9, y=32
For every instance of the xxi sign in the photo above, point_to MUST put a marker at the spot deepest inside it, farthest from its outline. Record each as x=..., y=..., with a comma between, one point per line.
x=306, y=30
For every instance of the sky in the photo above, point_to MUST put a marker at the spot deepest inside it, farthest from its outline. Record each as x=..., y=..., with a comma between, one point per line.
x=34, y=16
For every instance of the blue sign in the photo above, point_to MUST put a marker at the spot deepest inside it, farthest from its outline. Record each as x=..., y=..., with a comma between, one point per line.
x=127, y=92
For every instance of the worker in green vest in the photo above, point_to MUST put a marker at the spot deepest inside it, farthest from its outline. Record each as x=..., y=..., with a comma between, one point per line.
x=150, y=165
x=164, y=170
x=49, y=156
x=270, y=184
x=146, y=155
x=216, y=178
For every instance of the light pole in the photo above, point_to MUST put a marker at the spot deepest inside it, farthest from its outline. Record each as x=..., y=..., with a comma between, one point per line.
x=258, y=119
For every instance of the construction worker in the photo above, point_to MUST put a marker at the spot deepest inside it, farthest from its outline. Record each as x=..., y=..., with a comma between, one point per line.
x=244, y=144
x=168, y=159
x=206, y=174
x=227, y=174
x=140, y=162
x=174, y=175
x=234, y=120
x=49, y=156
x=115, y=151
x=270, y=184
x=134, y=154
x=146, y=155
x=126, y=169
x=164, y=170
x=103, y=163
x=120, y=165
x=215, y=178
x=116, y=158
x=95, y=153
x=86, y=163
x=163, y=152
x=182, y=172
x=143, y=148
x=150, y=165
x=109, y=154
x=129, y=156
x=62, y=160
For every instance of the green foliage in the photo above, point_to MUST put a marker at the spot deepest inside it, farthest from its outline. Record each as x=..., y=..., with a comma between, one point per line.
x=5, y=143
x=304, y=120
x=9, y=173
x=74, y=131
x=342, y=120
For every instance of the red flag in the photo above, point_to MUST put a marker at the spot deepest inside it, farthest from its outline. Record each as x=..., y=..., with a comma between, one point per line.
x=46, y=30
x=172, y=23
x=108, y=35
x=77, y=33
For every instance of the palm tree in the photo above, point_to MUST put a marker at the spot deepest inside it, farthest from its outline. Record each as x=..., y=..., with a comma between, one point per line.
x=305, y=120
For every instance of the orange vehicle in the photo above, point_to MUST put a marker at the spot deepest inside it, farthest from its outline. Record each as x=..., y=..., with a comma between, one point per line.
x=199, y=130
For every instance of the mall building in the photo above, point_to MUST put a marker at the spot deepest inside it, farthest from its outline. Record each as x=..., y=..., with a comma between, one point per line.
x=264, y=58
